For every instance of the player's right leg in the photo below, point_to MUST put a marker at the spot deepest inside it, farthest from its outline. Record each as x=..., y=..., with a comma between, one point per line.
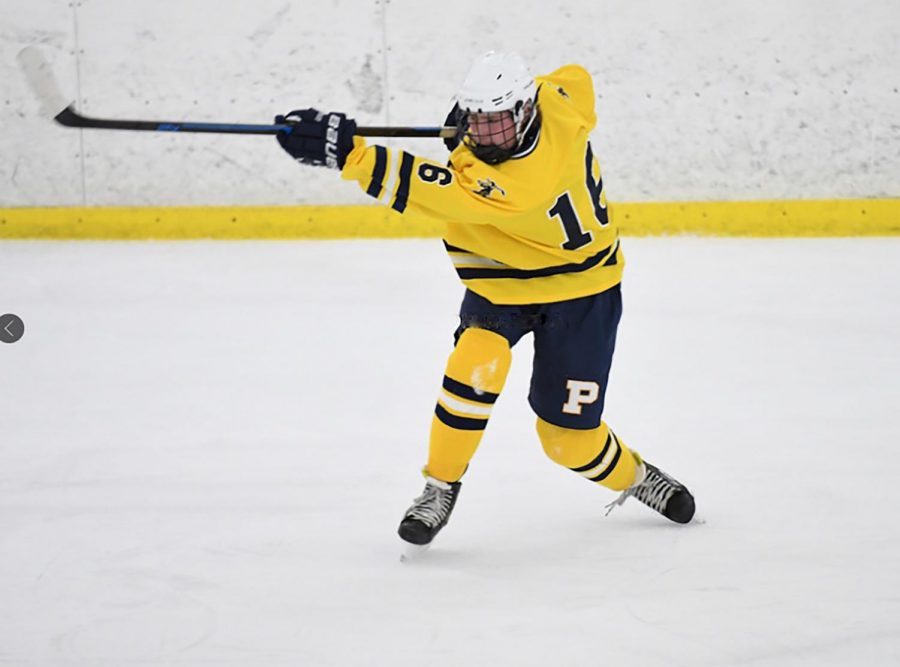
x=475, y=375
x=476, y=372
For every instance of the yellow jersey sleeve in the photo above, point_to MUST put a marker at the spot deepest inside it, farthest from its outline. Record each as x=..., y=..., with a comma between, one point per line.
x=425, y=189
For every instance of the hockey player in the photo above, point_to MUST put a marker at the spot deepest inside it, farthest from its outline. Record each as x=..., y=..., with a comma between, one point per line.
x=529, y=233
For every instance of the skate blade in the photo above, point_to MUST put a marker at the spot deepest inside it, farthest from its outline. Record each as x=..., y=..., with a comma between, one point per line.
x=413, y=552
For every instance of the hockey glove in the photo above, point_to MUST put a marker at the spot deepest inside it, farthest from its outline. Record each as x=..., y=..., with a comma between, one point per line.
x=452, y=121
x=317, y=138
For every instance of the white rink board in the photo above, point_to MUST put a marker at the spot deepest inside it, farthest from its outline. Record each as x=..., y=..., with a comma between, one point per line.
x=205, y=449
x=696, y=100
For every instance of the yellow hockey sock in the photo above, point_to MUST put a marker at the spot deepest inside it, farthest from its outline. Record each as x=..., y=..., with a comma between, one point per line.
x=596, y=454
x=476, y=372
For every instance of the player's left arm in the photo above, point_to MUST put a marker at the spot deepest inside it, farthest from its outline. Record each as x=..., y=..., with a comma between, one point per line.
x=468, y=192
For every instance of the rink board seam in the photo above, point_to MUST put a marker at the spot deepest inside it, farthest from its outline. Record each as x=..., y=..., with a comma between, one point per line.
x=842, y=217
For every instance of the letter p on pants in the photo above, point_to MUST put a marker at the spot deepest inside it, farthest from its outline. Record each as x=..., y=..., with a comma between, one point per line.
x=580, y=393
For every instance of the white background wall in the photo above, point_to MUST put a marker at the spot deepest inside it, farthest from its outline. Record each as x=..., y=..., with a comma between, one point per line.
x=697, y=99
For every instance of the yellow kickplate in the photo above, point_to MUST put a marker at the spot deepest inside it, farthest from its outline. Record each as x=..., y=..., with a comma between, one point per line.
x=842, y=217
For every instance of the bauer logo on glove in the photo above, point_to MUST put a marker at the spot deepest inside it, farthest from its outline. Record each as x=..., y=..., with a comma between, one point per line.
x=315, y=138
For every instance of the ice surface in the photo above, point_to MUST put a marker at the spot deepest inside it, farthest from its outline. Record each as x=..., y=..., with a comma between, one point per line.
x=205, y=449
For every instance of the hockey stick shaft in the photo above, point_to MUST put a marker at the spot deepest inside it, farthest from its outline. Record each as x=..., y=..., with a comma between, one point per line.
x=71, y=118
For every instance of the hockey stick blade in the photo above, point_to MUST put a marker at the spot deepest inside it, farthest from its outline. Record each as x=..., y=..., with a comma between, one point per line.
x=71, y=118
x=43, y=84
x=39, y=76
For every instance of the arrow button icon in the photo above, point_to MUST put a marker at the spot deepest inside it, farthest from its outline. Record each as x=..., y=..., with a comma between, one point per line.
x=12, y=328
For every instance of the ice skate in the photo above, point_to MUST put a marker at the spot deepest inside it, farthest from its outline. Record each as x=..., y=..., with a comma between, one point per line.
x=429, y=512
x=660, y=492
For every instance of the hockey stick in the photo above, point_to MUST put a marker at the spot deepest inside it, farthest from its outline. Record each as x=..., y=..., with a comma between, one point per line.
x=42, y=82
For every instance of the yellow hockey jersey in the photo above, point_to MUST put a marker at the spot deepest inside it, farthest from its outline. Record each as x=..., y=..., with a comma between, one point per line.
x=532, y=229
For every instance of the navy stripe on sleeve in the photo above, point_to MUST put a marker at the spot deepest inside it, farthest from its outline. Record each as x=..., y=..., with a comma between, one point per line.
x=378, y=173
x=406, y=166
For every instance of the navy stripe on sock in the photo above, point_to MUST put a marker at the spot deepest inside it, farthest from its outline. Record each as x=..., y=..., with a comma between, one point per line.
x=612, y=466
x=460, y=423
x=469, y=393
x=597, y=460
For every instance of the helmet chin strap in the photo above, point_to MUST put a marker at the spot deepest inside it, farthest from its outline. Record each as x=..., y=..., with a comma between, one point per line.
x=521, y=134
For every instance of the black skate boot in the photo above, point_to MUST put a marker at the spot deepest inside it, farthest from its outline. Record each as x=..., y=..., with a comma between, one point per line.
x=429, y=512
x=659, y=491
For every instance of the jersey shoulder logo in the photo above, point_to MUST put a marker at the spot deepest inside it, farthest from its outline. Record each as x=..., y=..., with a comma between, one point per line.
x=487, y=186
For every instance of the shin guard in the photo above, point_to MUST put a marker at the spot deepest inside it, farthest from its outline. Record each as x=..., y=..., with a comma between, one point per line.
x=596, y=454
x=476, y=372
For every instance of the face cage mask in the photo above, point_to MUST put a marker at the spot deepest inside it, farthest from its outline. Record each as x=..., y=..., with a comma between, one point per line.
x=490, y=153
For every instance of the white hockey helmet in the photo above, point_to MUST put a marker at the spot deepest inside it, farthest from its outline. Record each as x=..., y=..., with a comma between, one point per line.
x=497, y=83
